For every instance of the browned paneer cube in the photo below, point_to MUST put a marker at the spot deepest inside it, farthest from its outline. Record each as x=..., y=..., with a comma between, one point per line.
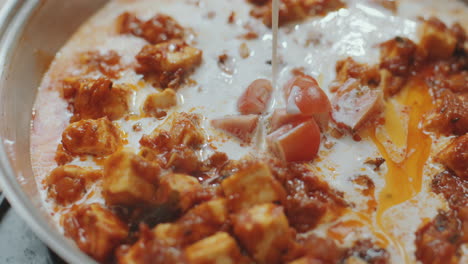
x=314, y=249
x=66, y=184
x=168, y=233
x=98, y=137
x=311, y=260
x=437, y=41
x=355, y=105
x=219, y=248
x=443, y=231
x=312, y=201
x=264, y=231
x=178, y=190
x=455, y=156
x=95, y=229
x=62, y=156
x=251, y=186
x=97, y=98
x=158, y=142
x=258, y=2
x=156, y=103
x=349, y=68
x=303, y=260
x=391, y=84
x=186, y=130
x=157, y=29
x=151, y=249
x=106, y=63
x=130, y=179
x=450, y=116
x=199, y=222
x=169, y=56
x=367, y=251
x=183, y=159
x=203, y=220
x=397, y=55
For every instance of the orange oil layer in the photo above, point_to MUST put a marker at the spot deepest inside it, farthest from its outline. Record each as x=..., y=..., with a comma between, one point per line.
x=403, y=179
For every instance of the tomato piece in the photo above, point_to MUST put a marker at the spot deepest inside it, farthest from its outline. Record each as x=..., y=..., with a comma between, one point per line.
x=241, y=126
x=304, y=93
x=255, y=98
x=296, y=142
x=281, y=117
x=355, y=104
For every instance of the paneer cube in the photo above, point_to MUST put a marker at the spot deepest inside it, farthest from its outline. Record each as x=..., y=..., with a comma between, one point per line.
x=156, y=103
x=151, y=249
x=306, y=260
x=202, y=221
x=355, y=260
x=251, y=186
x=350, y=69
x=91, y=137
x=168, y=233
x=354, y=105
x=186, y=130
x=311, y=202
x=169, y=56
x=178, y=190
x=107, y=63
x=157, y=29
x=62, y=156
x=183, y=159
x=437, y=41
x=450, y=116
x=66, y=184
x=264, y=231
x=397, y=55
x=391, y=84
x=130, y=179
x=95, y=229
x=96, y=98
x=199, y=222
x=220, y=248
x=455, y=156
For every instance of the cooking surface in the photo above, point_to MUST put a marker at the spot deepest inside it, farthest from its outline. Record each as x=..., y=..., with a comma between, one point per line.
x=18, y=243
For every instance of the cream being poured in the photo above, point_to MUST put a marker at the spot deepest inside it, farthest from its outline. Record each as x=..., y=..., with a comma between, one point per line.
x=274, y=55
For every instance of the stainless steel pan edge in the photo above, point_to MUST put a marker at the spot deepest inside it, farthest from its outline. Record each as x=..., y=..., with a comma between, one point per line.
x=29, y=26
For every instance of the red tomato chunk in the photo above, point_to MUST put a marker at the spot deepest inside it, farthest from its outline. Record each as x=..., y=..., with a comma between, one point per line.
x=296, y=142
x=304, y=96
x=241, y=127
x=255, y=98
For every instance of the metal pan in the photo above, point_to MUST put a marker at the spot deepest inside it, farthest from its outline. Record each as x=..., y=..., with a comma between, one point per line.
x=31, y=32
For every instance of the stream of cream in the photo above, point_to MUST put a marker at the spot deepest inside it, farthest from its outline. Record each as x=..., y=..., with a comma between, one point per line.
x=274, y=55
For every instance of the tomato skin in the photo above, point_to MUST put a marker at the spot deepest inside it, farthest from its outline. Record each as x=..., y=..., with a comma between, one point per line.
x=296, y=142
x=309, y=98
x=242, y=126
x=255, y=98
